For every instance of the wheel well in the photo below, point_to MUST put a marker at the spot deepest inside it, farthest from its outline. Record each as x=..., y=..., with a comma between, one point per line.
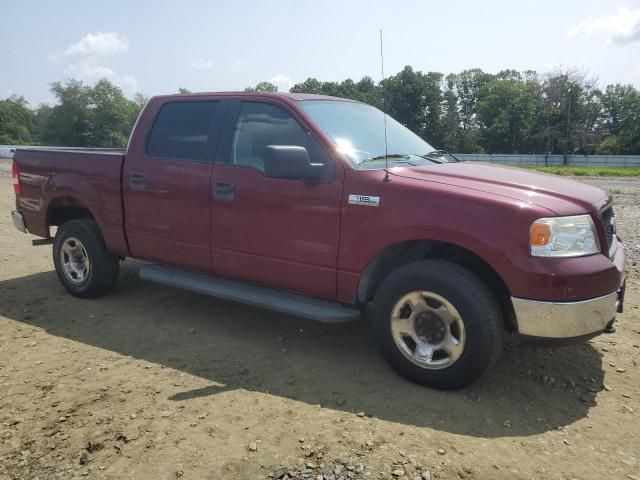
x=64, y=209
x=406, y=252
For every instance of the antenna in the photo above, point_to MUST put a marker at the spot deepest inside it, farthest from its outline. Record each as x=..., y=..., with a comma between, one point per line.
x=384, y=111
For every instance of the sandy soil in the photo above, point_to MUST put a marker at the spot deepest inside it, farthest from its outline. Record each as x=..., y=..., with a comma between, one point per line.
x=156, y=383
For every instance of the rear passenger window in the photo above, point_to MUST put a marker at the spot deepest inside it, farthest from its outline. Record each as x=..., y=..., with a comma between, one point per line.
x=181, y=130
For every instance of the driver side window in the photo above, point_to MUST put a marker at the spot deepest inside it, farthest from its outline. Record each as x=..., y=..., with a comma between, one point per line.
x=262, y=124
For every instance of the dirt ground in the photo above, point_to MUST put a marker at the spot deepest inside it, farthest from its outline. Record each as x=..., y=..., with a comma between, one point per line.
x=156, y=383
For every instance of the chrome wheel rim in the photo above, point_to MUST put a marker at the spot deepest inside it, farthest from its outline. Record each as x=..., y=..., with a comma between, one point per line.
x=74, y=260
x=428, y=330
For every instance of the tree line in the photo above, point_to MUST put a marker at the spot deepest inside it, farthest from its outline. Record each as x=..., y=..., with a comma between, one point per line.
x=468, y=112
x=83, y=116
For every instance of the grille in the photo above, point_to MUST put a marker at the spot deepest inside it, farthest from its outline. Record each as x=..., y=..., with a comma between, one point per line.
x=609, y=225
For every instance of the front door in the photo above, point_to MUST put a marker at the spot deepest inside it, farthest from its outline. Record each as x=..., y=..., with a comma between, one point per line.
x=277, y=232
x=168, y=186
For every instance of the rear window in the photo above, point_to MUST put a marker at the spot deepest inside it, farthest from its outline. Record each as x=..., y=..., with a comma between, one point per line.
x=181, y=130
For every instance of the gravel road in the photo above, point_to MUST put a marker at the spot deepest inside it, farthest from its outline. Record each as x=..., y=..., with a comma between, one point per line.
x=156, y=383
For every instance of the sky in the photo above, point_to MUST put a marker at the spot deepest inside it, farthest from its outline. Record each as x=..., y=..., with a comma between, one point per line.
x=156, y=47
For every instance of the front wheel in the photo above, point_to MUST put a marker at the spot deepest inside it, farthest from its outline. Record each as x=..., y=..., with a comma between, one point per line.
x=84, y=265
x=437, y=324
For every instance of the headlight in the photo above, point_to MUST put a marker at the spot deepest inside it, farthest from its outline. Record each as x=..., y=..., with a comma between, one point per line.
x=564, y=237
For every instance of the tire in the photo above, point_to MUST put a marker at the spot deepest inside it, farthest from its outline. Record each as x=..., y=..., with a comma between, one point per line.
x=84, y=265
x=471, y=317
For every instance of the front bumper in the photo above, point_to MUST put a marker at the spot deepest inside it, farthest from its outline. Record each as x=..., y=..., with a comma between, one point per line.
x=566, y=320
x=18, y=221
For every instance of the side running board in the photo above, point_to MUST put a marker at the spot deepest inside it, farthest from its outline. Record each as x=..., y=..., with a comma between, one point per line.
x=285, y=302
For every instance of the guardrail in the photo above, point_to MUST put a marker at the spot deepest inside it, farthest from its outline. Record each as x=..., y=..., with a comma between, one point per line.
x=555, y=160
x=505, y=159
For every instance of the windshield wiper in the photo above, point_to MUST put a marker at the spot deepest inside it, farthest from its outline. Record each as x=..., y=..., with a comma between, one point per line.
x=382, y=157
x=441, y=153
x=404, y=156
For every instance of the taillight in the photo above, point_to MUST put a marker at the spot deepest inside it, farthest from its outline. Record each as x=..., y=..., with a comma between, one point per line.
x=15, y=172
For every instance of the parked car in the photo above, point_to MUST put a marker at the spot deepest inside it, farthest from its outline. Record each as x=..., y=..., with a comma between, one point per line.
x=325, y=208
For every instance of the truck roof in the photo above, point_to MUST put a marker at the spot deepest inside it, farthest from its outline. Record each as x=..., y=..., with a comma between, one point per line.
x=292, y=96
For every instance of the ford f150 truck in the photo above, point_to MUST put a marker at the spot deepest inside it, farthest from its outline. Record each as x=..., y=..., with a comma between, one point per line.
x=325, y=208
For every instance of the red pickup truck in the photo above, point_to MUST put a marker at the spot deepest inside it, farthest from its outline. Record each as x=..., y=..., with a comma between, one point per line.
x=324, y=208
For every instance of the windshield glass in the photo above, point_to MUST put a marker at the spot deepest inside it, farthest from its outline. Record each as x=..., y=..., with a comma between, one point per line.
x=358, y=131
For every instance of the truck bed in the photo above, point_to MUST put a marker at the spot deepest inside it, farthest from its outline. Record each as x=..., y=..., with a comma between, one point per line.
x=51, y=177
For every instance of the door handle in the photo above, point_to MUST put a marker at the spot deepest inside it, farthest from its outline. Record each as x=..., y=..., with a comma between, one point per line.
x=224, y=191
x=138, y=180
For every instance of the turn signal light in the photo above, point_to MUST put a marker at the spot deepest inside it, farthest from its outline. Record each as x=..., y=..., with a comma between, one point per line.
x=540, y=234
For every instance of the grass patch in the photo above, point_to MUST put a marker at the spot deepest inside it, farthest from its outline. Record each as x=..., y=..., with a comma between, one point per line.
x=588, y=171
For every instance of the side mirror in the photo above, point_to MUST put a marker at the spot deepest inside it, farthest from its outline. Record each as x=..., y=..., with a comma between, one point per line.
x=290, y=161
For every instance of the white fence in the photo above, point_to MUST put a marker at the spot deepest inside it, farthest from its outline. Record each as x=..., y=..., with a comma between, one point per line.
x=5, y=151
x=556, y=160
x=506, y=159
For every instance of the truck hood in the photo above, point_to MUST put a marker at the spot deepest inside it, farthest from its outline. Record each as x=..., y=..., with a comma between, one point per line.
x=560, y=195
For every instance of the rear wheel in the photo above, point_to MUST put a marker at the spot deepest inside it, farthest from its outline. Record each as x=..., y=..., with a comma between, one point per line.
x=84, y=265
x=437, y=324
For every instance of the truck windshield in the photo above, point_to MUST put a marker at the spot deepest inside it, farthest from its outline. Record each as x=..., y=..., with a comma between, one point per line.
x=358, y=132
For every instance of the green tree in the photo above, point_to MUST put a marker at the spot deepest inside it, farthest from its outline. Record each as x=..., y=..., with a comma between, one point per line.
x=140, y=100
x=367, y=91
x=450, y=116
x=507, y=109
x=433, y=128
x=613, y=105
x=467, y=85
x=110, y=115
x=69, y=123
x=364, y=90
x=629, y=133
x=571, y=112
x=135, y=106
x=310, y=85
x=41, y=122
x=16, y=121
x=404, y=98
x=609, y=146
x=262, y=87
x=85, y=116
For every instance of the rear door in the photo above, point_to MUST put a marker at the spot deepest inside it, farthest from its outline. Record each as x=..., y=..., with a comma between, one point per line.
x=167, y=183
x=282, y=233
